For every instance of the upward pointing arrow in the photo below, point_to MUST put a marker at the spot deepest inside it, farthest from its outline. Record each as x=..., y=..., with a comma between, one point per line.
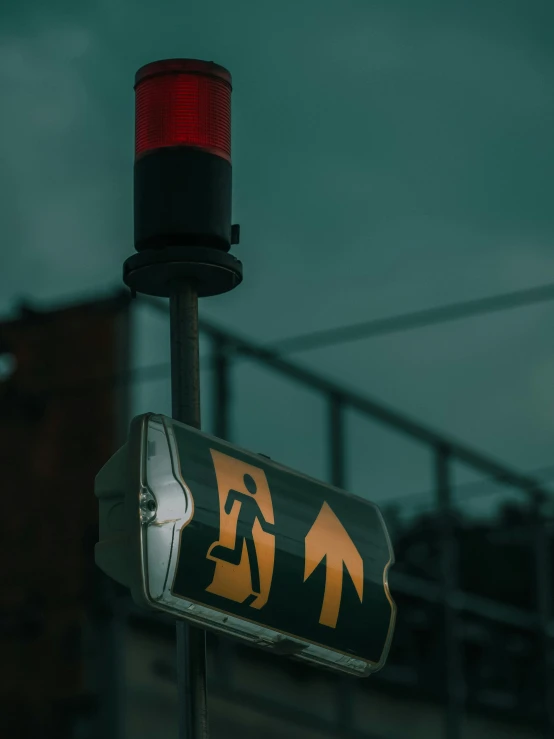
x=329, y=539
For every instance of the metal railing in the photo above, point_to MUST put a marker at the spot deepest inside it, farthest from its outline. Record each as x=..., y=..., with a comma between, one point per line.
x=227, y=347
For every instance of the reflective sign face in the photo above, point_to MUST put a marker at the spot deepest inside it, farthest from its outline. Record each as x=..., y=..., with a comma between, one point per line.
x=233, y=541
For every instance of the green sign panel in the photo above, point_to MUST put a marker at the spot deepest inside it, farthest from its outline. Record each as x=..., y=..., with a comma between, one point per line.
x=234, y=542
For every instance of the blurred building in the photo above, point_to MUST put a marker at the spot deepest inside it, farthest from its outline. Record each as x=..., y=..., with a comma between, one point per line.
x=61, y=416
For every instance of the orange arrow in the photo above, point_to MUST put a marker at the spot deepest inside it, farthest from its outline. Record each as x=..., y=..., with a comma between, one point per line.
x=328, y=538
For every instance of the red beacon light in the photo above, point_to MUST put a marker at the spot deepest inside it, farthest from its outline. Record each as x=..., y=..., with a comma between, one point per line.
x=182, y=176
x=183, y=102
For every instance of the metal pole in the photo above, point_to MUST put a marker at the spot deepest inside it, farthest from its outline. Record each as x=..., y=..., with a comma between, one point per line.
x=109, y=664
x=337, y=474
x=449, y=566
x=544, y=607
x=185, y=402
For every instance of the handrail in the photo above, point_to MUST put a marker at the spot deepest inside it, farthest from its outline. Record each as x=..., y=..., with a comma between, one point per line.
x=367, y=406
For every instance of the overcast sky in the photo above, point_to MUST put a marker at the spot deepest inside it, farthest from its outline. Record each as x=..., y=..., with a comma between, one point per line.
x=387, y=157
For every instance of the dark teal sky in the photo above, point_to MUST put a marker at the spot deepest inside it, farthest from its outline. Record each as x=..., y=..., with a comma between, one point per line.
x=388, y=156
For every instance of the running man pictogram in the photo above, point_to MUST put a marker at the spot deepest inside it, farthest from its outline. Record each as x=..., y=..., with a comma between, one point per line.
x=248, y=515
x=245, y=551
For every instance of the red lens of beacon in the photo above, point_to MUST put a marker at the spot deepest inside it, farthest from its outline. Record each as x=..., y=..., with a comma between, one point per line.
x=183, y=102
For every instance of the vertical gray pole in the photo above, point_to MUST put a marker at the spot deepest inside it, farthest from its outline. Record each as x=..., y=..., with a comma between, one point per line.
x=119, y=629
x=543, y=574
x=185, y=402
x=449, y=567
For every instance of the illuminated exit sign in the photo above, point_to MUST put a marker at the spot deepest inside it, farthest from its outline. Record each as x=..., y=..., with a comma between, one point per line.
x=236, y=543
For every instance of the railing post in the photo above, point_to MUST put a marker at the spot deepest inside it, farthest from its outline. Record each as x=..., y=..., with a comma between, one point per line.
x=455, y=688
x=337, y=472
x=221, y=388
x=337, y=476
x=543, y=584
